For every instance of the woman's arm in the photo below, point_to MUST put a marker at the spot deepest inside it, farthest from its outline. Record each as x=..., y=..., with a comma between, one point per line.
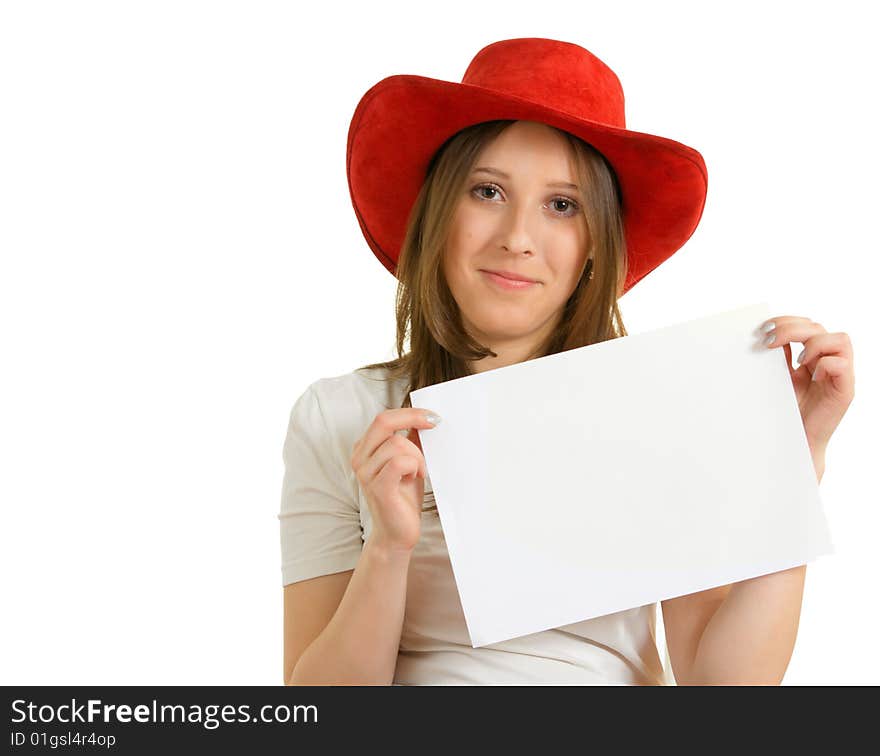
x=360, y=643
x=750, y=638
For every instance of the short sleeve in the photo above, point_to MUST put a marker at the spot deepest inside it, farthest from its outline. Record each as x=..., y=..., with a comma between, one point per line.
x=319, y=517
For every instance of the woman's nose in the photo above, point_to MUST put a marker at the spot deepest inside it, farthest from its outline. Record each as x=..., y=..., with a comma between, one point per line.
x=517, y=236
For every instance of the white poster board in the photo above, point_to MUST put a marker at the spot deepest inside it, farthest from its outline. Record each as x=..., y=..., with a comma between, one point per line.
x=621, y=473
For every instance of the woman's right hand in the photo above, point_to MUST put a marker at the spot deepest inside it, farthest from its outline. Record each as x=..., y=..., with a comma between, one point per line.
x=390, y=468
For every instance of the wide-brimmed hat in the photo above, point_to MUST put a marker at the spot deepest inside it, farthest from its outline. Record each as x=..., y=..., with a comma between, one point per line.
x=402, y=121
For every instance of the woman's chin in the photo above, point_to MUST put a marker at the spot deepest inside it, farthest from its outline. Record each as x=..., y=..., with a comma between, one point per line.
x=504, y=334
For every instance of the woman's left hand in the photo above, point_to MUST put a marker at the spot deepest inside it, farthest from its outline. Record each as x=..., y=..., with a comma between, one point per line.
x=824, y=382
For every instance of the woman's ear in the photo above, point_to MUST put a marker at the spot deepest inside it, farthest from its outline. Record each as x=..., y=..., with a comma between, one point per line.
x=588, y=268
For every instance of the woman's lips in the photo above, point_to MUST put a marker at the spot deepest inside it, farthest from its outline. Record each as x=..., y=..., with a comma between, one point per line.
x=506, y=283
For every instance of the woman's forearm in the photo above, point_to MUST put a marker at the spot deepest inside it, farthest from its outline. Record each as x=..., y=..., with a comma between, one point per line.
x=750, y=638
x=360, y=643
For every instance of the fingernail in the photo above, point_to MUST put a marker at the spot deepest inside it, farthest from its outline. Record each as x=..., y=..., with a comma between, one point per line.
x=770, y=339
x=769, y=326
x=432, y=418
x=800, y=357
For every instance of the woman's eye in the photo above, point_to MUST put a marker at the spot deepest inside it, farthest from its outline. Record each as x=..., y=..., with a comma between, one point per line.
x=563, y=201
x=485, y=187
x=569, y=210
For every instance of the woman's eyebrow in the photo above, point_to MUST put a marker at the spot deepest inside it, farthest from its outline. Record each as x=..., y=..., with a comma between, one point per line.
x=502, y=174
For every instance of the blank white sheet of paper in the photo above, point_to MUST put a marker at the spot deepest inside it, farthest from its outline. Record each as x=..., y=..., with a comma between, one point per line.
x=622, y=473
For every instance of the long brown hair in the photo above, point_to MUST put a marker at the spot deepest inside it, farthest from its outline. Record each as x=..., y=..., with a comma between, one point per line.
x=439, y=346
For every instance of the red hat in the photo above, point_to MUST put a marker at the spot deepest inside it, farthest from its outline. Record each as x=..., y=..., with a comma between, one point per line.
x=403, y=120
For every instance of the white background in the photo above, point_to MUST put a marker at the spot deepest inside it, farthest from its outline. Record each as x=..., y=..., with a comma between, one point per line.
x=180, y=259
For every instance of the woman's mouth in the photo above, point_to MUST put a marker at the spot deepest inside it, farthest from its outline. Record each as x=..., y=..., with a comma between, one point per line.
x=507, y=284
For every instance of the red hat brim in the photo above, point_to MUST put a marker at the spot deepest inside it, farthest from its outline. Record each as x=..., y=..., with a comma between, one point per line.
x=403, y=120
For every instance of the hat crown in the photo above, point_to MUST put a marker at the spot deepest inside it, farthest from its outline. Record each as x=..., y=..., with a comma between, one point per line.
x=560, y=75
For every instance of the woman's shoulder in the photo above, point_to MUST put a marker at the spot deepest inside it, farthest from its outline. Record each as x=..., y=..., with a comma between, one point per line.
x=371, y=387
x=349, y=402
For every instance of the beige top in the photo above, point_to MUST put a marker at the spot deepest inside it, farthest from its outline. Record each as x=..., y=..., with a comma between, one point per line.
x=325, y=521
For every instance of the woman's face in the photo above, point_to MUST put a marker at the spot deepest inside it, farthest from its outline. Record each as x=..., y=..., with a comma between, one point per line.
x=517, y=223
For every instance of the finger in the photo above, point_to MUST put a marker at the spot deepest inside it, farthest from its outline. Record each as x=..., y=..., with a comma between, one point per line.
x=393, y=471
x=795, y=330
x=837, y=373
x=393, y=446
x=779, y=320
x=787, y=349
x=385, y=424
x=825, y=344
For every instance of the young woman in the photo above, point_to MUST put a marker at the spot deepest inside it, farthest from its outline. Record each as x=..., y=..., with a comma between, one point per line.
x=515, y=209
